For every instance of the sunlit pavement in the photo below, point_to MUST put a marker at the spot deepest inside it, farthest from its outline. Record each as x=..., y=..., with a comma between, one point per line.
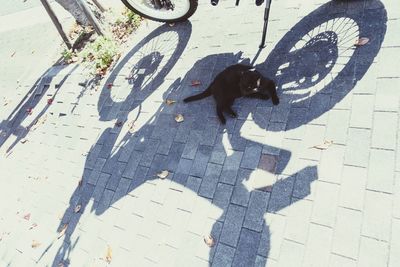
x=311, y=182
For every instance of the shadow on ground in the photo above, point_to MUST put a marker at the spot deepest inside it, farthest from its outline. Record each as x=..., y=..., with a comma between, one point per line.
x=310, y=72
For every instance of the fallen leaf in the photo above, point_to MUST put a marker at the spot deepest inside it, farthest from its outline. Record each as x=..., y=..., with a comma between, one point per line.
x=171, y=24
x=118, y=123
x=77, y=208
x=62, y=231
x=179, y=118
x=196, y=83
x=209, y=240
x=35, y=244
x=109, y=86
x=13, y=54
x=163, y=174
x=109, y=255
x=50, y=101
x=362, y=41
x=169, y=102
x=23, y=141
x=27, y=216
x=324, y=146
x=29, y=111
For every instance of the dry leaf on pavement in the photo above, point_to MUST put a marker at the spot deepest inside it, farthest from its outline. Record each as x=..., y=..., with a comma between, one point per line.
x=362, y=41
x=35, y=244
x=27, y=216
x=163, y=174
x=179, y=118
x=170, y=102
x=209, y=240
x=77, y=208
x=325, y=145
x=109, y=254
x=196, y=83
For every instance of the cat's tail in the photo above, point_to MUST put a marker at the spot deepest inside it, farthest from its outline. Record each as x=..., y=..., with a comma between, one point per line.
x=202, y=95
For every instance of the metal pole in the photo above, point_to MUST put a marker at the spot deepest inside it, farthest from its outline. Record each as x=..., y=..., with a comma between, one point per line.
x=102, y=9
x=90, y=17
x=56, y=23
x=266, y=15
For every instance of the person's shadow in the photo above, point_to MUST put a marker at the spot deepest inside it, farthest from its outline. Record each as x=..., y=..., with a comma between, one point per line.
x=231, y=171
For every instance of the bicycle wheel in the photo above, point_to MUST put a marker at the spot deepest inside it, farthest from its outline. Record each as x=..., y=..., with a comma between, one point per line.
x=182, y=9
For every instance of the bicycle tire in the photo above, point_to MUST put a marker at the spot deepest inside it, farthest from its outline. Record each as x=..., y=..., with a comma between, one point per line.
x=192, y=8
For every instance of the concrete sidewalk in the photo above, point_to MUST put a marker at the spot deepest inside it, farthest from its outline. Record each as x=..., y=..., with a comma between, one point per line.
x=313, y=181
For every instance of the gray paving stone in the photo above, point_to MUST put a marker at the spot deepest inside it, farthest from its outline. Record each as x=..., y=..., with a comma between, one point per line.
x=384, y=130
x=231, y=167
x=132, y=164
x=346, y=237
x=174, y=156
x=100, y=186
x=251, y=156
x=200, y=161
x=376, y=218
x=281, y=195
x=325, y=204
x=270, y=244
x=357, y=151
x=291, y=254
x=192, y=144
x=352, y=188
x=232, y=225
x=184, y=166
x=336, y=128
x=330, y=166
x=246, y=250
x=94, y=175
x=318, y=247
x=210, y=180
x=257, y=207
x=222, y=197
x=339, y=261
x=223, y=256
x=298, y=220
x=381, y=170
x=372, y=252
x=149, y=152
x=394, y=257
x=387, y=97
x=362, y=111
x=240, y=194
x=218, y=155
x=396, y=196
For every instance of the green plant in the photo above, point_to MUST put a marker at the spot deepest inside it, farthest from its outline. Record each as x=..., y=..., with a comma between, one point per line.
x=102, y=52
x=67, y=55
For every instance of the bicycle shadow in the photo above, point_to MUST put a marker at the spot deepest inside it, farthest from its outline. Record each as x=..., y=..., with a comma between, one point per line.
x=26, y=112
x=125, y=160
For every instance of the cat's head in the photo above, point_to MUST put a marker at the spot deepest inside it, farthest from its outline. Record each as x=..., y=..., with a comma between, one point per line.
x=252, y=82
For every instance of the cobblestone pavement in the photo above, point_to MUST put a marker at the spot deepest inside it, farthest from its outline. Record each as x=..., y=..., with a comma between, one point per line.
x=313, y=181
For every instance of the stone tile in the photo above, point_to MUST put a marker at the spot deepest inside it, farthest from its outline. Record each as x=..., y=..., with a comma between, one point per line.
x=387, y=95
x=337, y=126
x=357, y=150
x=251, y=156
x=281, y=195
x=223, y=256
x=394, y=256
x=381, y=170
x=347, y=233
x=210, y=180
x=330, y=166
x=246, y=250
x=231, y=167
x=377, y=214
x=396, y=196
x=384, y=130
x=233, y=223
x=200, y=161
x=362, y=111
x=325, y=204
x=241, y=194
x=291, y=254
x=352, y=188
x=318, y=247
x=255, y=210
x=298, y=220
x=272, y=236
x=222, y=197
x=372, y=252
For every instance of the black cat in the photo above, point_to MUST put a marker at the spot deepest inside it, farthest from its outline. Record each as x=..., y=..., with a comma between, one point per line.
x=237, y=81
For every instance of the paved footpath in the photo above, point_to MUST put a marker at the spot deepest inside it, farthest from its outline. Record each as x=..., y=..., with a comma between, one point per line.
x=314, y=181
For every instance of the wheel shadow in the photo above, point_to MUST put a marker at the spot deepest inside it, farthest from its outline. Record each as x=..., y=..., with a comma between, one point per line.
x=143, y=143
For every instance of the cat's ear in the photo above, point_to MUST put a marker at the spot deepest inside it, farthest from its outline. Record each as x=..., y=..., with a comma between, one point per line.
x=258, y=82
